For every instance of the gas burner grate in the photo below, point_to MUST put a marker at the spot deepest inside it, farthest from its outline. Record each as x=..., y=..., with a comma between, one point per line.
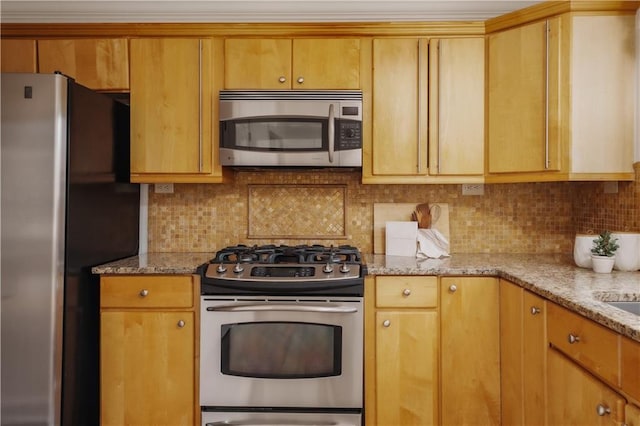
x=272, y=254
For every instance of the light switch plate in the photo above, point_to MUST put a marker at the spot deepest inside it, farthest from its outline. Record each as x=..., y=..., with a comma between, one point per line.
x=473, y=189
x=164, y=188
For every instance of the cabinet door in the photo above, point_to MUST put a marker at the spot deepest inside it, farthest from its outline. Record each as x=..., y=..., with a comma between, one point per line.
x=534, y=359
x=522, y=356
x=406, y=368
x=456, y=106
x=147, y=368
x=578, y=398
x=257, y=63
x=470, y=351
x=100, y=64
x=18, y=55
x=326, y=63
x=400, y=77
x=632, y=415
x=171, y=106
x=521, y=86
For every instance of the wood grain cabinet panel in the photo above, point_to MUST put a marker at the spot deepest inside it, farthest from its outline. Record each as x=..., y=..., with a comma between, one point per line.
x=100, y=64
x=523, y=349
x=470, y=351
x=148, y=352
x=17, y=55
x=292, y=63
x=578, y=398
x=174, y=110
x=545, y=79
x=428, y=111
x=401, y=351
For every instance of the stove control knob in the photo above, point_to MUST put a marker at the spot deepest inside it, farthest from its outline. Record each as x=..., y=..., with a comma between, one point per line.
x=344, y=268
x=238, y=268
x=328, y=268
x=221, y=268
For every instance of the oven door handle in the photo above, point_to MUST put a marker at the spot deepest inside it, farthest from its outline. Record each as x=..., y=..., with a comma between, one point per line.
x=283, y=307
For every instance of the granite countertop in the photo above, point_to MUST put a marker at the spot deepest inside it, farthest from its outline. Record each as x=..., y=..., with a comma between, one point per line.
x=554, y=277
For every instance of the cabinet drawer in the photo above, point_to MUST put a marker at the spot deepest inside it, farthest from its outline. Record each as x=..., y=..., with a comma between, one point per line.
x=591, y=345
x=146, y=291
x=406, y=292
x=631, y=367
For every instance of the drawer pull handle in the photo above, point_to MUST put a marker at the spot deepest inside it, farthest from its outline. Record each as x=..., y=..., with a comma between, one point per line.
x=144, y=292
x=282, y=79
x=180, y=324
x=573, y=339
x=300, y=80
x=386, y=323
x=602, y=410
x=453, y=288
x=535, y=310
x=406, y=292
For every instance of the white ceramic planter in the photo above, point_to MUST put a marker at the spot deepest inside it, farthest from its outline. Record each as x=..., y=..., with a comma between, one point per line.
x=602, y=264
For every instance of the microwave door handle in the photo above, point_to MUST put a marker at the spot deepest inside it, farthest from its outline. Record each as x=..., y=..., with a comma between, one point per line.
x=332, y=132
x=268, y=423
x=284, y=307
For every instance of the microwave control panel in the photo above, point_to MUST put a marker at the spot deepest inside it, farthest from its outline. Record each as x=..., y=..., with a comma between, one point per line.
x=348, y=134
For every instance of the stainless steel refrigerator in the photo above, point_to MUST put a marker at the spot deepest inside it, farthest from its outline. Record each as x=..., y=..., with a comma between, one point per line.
x=66, y=205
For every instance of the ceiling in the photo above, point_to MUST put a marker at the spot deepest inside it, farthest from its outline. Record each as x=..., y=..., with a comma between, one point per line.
x=94, y=11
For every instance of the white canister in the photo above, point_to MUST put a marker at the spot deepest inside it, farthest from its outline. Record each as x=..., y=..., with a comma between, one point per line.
x=582, y=250
x=628, y=254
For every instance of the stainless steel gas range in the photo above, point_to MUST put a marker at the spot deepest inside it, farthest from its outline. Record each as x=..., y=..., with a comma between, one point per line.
x=282, y=336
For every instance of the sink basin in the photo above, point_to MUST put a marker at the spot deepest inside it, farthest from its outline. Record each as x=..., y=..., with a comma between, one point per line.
x=633, y=307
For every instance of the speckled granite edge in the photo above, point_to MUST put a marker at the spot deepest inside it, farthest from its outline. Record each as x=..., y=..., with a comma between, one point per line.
x=554, y=277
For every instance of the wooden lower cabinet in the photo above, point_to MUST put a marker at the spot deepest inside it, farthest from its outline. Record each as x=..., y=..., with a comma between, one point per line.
x=632, y=415
x=469, y=351
x=575, y=397
x=148, y=351
x=523, y=350
x=401, y=374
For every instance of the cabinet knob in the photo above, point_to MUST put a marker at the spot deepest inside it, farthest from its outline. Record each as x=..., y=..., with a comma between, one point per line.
x=535, y=310
x=300, y=80
x=453, y=288
x=406, y=292
x=180, y=324
x=572, y=338
x=386, y=323
x=282, y=79
x=602, y=410
x=144, y=292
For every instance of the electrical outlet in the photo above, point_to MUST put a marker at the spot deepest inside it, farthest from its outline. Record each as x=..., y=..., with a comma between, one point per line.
x=611, y=187
x=164, y=188
x=473, y=189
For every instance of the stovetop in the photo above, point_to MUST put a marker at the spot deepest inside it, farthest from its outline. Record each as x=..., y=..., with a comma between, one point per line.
x=282, y=269
x=315, y=253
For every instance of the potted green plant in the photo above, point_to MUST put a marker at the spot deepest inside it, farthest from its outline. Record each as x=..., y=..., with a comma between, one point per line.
x=603, y=252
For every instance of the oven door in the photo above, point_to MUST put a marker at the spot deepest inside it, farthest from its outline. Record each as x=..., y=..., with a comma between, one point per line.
x=289, y=352
x=214, y=418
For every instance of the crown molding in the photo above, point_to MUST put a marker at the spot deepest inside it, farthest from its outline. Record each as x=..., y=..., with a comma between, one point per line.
x=227, y=11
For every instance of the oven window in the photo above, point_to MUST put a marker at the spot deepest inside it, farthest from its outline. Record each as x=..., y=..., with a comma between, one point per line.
x=293, y=134
x=281, y=350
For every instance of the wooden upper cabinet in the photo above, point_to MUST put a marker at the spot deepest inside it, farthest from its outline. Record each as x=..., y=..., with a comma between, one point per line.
x=518, y=76
x=172, y=111
x=456, y=106
x=18, y=55
x=399, y=145
x=428, y=111
x=559, y=102
x=100, y=64
x=292, y=63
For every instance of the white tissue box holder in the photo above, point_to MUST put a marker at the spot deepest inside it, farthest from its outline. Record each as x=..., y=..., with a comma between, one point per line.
x=401, y=238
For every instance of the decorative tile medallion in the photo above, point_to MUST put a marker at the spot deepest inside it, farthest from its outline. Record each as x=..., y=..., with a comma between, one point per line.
x=297, y=211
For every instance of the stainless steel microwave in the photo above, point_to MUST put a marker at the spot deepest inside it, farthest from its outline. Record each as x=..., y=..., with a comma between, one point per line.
x=291, y=128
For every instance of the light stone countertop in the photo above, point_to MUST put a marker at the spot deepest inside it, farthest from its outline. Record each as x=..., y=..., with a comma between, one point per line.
x=554, y=277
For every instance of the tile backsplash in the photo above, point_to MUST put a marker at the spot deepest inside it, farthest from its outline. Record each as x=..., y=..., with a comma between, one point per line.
x=329, y=207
